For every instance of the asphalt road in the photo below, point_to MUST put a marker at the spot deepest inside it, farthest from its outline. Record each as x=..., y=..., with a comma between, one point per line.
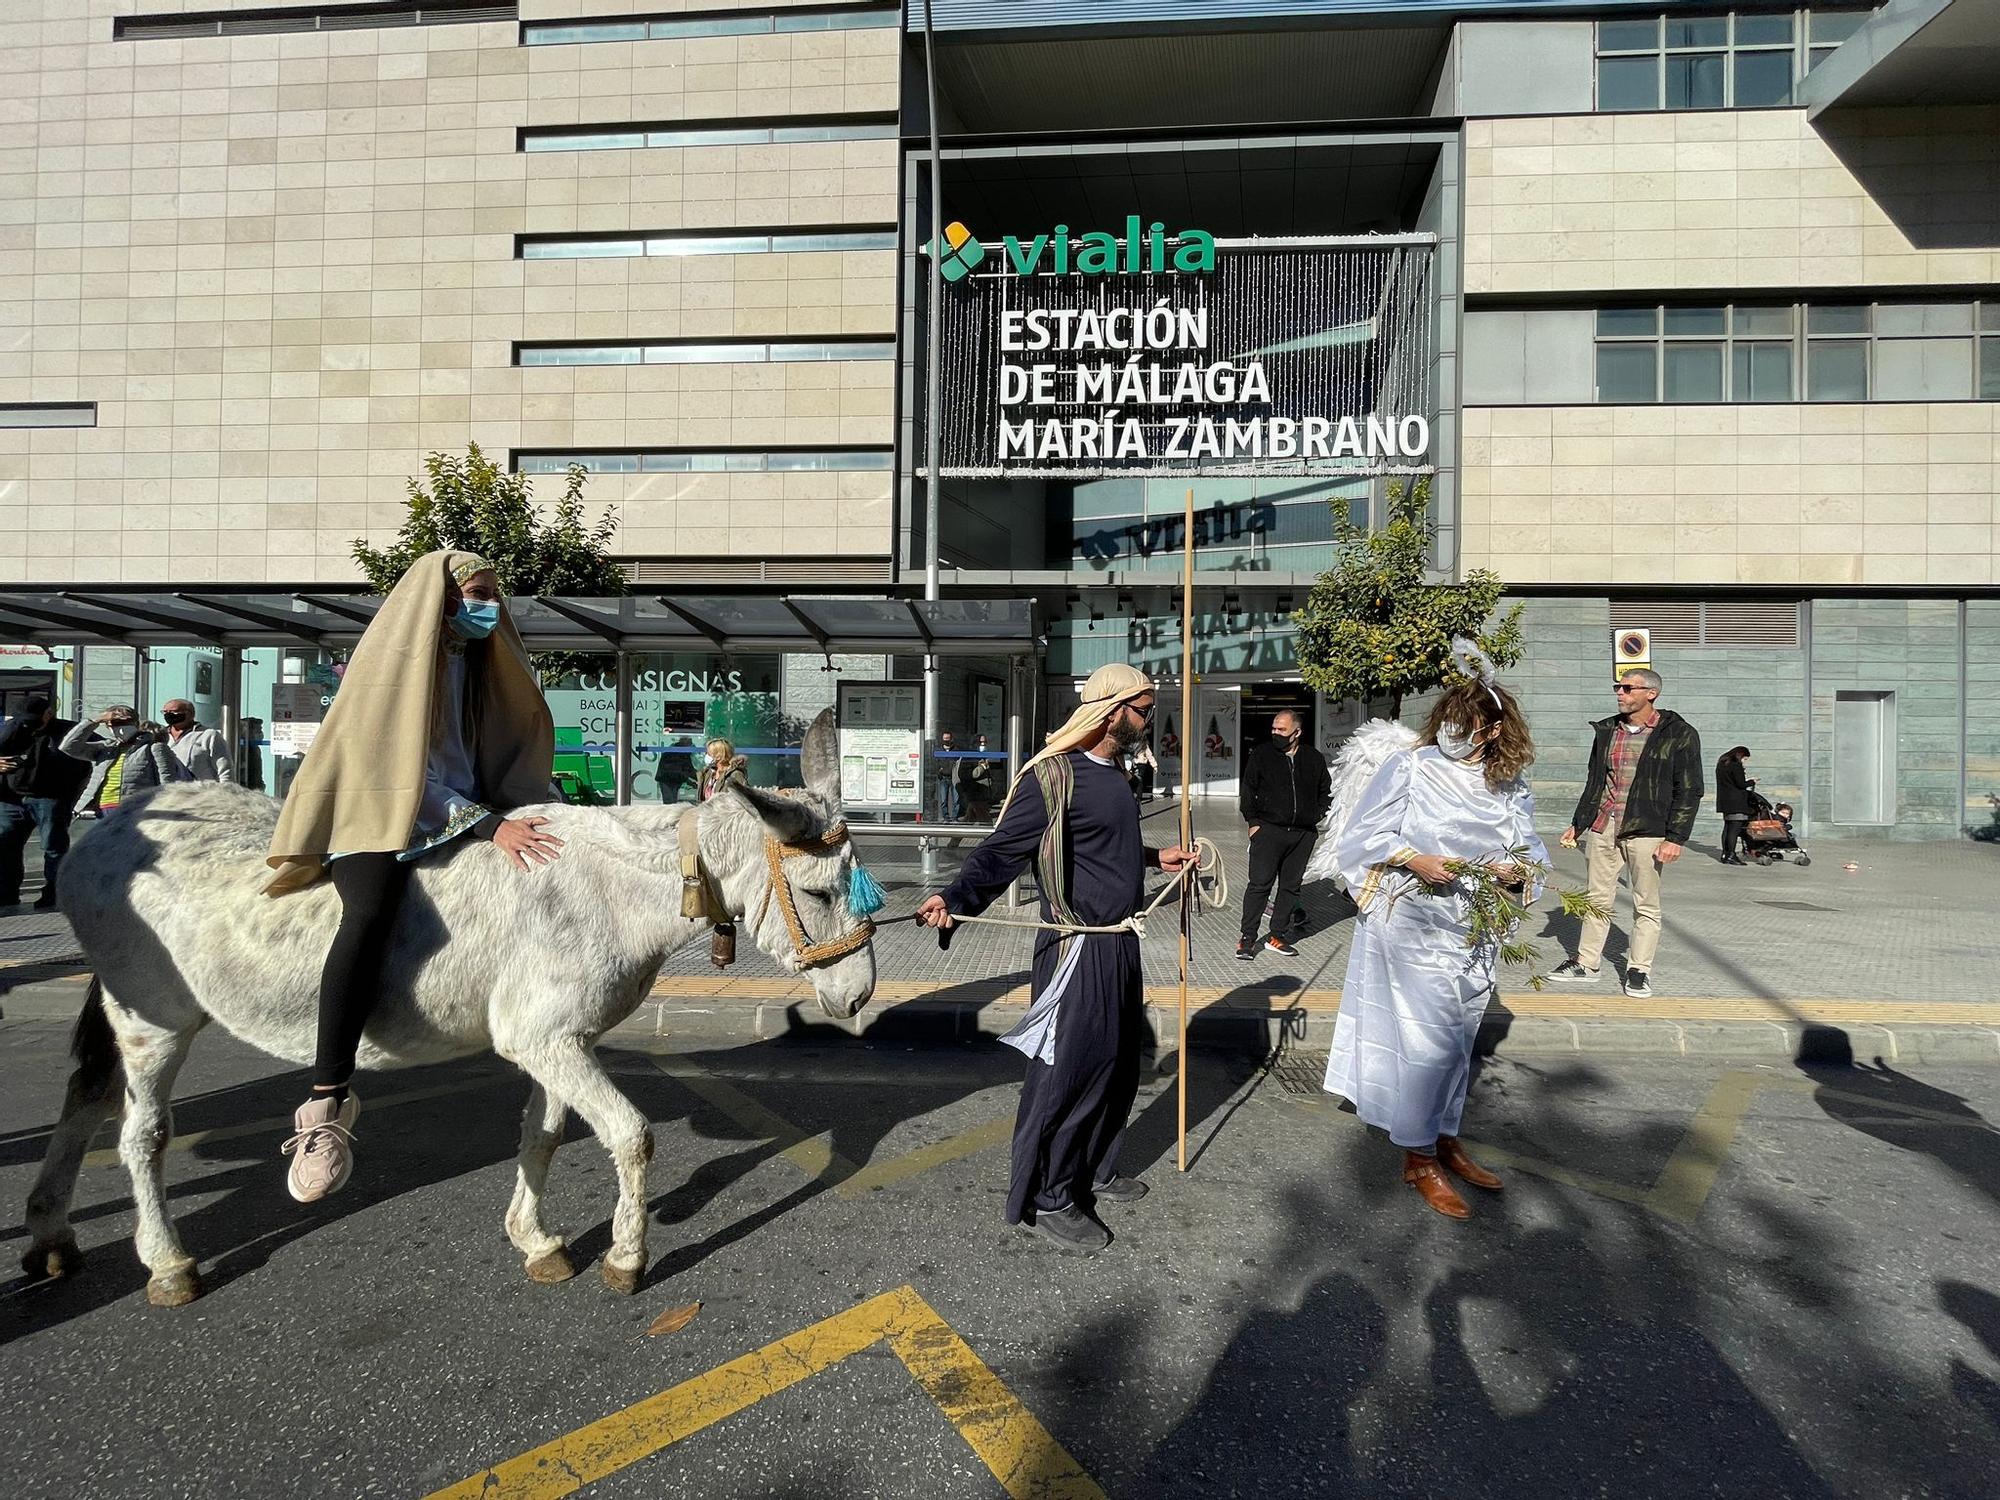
x=1703, y=1279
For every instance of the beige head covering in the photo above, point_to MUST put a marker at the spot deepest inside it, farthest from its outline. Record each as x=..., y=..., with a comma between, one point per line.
x=363, y=778
x=1103, y=691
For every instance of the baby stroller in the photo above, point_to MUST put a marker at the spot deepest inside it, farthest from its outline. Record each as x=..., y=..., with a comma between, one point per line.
x=1767, y=838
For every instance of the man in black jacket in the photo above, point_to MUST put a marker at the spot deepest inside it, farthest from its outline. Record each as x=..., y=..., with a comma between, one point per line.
x=1636, y=812
x=38, y=792
x=1284, y=795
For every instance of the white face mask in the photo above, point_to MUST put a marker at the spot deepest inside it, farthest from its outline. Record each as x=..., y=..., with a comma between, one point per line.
x=1455, y=744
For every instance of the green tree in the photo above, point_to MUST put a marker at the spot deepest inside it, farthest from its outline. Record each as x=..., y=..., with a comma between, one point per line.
x=1374, y=627
x=472, y=504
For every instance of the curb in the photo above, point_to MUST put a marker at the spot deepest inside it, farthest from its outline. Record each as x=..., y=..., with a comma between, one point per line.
x=1260, y=1032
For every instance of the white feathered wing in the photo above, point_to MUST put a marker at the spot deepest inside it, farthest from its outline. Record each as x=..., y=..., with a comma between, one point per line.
x=1365, y=752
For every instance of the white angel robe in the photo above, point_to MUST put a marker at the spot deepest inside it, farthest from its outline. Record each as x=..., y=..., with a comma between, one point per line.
x=1415, y=991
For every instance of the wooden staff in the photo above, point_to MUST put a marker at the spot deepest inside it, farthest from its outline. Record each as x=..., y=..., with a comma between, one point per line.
x=1187, y=805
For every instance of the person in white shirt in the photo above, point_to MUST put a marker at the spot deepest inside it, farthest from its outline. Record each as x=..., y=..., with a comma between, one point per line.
x=202, y=750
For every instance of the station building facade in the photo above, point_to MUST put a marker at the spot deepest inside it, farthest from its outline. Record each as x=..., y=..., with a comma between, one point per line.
x=1695, y=310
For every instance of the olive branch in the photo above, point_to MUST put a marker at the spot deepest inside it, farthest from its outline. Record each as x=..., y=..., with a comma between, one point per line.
x=1496, y=910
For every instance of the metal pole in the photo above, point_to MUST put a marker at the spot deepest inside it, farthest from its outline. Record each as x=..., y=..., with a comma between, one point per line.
x=934, y=339
x=1016, y=683
x=624, y=729
x=1964, y=697
x=232, y=710
x=1187, y=805
x=1806, y=776
x=142, y=683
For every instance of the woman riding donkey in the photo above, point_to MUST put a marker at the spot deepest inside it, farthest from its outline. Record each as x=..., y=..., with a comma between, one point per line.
x=437, y=726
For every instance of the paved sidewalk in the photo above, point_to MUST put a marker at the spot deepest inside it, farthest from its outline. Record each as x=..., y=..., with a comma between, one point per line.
x=1749, y=960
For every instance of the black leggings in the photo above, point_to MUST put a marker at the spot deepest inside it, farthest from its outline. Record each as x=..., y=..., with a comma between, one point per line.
x=371, y=891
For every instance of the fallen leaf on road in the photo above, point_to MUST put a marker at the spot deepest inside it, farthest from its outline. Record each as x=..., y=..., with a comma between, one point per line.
x=674, y=1319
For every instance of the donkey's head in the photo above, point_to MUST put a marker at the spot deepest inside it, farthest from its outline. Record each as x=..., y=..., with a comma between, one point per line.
x=785, y=861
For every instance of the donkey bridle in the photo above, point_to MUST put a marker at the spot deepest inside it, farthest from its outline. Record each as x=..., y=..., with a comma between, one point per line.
x=811, y=955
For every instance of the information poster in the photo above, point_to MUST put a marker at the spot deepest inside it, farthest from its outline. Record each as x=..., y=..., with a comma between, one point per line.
x=881, y=745
x=296, y=711
x=1216, y=722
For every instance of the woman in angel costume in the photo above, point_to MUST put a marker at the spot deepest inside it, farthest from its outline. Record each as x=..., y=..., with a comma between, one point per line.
x=1405, y=808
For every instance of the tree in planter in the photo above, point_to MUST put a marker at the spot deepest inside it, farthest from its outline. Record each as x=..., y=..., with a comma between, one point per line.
x=1373, y=627
x=474, y=505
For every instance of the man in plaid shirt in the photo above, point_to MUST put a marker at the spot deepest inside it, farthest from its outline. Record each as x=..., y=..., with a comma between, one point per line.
x=1637, y=809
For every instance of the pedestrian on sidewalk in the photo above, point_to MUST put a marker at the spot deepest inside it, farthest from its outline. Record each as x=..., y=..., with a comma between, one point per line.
x=438, y=730
x=202, y=750
x=1732, y=800
x=944, y=778
x=725, y=767
x=1071, y=815
x=1285, y=793
x=1639, y=801
x=977, y=782
x=1417, y=987
x=130, y=755
x=38, y=792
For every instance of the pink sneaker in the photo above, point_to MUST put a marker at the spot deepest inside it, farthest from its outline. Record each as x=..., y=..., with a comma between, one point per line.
x=321, y=1148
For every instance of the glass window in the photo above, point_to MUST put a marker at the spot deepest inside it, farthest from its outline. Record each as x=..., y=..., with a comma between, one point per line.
x=1628, y=372
x=1628, y=36
x=1836, y=319
x=580, y=249
x=733, y=244
x=1837, y=370
x=706, y=354
x=1989, y=369
x=1616, y=322
x=602, y=31
x=583, y=354
x=853, y=349
x=711, y=26
x=1753, y=31
x=1923, y=317
x=610, y=140
x=1628, y=83
x=1923, y=369
x=51, y=414
x=1989, y=316
x=1762, y=320
x=1833, y=27
x=1763, y=79
x=1693, y=372
x=1694, y=320
x=1695, y=80
x=1702, y=31
x=1762, y=372
x=713, y=136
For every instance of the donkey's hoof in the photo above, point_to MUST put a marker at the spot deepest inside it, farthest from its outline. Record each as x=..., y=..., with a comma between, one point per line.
x=51, y=1262
x=175, y=1289
x=551, y=1268
x=623, y=1281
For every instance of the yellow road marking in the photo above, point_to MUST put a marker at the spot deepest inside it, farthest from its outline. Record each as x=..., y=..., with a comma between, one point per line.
x=1029, y=1463
x=981, y=1137
x=812, y=1154
x=1566, y=1006
x=108, y=1155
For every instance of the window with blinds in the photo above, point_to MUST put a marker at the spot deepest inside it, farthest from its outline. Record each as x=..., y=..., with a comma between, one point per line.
x=1763, y=623
x=290, y=18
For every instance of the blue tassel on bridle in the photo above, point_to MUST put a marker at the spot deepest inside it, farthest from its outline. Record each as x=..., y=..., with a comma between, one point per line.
x=864, y=896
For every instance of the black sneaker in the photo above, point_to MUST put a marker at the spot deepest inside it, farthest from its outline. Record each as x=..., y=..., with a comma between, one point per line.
x=1069, y=1227
x=1569, y=971
x=1637, y=985
x=1120, y=1189
x=1245, y=949
x=1279, y=946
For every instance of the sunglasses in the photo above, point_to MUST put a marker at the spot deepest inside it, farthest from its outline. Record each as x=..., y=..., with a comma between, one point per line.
x=1144, y=711
x=1629, y=687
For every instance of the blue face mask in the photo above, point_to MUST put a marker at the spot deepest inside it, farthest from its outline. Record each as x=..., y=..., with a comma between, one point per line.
x=475, y=620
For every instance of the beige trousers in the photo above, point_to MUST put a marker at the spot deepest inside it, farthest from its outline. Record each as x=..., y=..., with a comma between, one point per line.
x=1636, y=857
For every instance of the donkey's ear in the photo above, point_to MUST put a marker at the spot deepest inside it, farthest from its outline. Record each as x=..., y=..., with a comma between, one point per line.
x=819, y=759
x=789, y=820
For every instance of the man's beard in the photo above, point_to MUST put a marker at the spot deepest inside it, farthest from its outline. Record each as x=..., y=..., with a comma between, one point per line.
x=1125, y=734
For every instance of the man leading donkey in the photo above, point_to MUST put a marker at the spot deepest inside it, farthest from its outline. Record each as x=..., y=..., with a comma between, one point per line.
x=1071, y=815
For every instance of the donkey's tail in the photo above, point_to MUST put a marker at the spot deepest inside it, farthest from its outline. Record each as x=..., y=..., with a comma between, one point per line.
x=93, y=1044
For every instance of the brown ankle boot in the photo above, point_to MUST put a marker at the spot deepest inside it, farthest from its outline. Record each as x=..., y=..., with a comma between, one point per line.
x=1427, y=1177
x=1452, y=1154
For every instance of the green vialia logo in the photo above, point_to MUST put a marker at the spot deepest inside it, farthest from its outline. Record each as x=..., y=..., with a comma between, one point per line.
x=1095, y=253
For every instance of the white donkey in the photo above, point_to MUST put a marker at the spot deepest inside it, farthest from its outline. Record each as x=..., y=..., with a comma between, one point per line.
x=166, y=898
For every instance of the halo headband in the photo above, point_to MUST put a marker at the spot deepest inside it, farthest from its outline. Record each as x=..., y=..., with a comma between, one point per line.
x=1476, y=664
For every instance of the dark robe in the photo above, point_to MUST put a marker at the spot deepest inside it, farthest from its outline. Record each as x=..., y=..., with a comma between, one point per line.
x=1081, y=1079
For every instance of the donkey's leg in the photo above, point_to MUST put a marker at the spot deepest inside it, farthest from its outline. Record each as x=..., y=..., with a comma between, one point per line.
x=91, y=1099
x=569, y=1070
x=541, y=1133
x=153, y=1057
